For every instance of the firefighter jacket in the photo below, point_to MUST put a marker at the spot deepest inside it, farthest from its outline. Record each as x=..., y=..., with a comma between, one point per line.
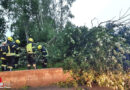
x=3, y=51
x=11, y=49
x=17, y=49
x=30, y=48
x=44, y=51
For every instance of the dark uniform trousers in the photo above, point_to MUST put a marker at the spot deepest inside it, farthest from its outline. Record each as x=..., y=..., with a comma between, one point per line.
x=4, y=64
x=44, y=62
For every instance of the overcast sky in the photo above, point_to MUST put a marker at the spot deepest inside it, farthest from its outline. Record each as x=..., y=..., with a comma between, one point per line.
x=85, y=10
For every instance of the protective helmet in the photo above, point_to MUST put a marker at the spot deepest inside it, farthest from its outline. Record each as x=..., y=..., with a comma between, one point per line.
x=39, y=47
x=17, y=41
x=31, y=40
x=10, y=39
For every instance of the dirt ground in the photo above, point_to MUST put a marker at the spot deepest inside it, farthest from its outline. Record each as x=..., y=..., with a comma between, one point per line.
x=55, y=87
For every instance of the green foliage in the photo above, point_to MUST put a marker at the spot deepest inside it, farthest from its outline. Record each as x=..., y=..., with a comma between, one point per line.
x=23, y=58
x=30, y=18
x=98, y=48
x=69, y=46
x=2, y=26
x=70, y=63
x=92, y=78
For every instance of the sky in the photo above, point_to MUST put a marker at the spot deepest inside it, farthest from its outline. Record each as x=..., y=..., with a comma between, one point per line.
x=86, y=10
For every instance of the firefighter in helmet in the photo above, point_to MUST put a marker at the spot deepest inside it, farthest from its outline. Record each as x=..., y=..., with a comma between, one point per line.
x=44, y=55
x=3, y=51
x=30, y=48
x=17, y=51
x=11, y=53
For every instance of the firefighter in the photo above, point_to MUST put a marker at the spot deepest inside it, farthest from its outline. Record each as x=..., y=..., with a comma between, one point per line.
x=3, y=52
x=44, y=55
x=30, y=48
x=17, y=51
x=11, y=53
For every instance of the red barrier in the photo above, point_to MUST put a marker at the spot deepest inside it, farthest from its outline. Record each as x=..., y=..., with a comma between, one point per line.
x=33, y=78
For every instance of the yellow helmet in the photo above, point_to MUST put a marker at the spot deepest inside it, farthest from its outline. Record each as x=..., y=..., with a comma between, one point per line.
x=17, y=41
x=39, y=47
x=31, y=40
x=10, y=39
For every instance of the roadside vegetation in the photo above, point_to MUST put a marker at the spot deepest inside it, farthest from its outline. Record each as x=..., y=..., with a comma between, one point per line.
x=99, y=55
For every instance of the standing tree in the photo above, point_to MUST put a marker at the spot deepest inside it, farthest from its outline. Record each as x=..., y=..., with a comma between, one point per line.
x=62, y=12
x=31, y=18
